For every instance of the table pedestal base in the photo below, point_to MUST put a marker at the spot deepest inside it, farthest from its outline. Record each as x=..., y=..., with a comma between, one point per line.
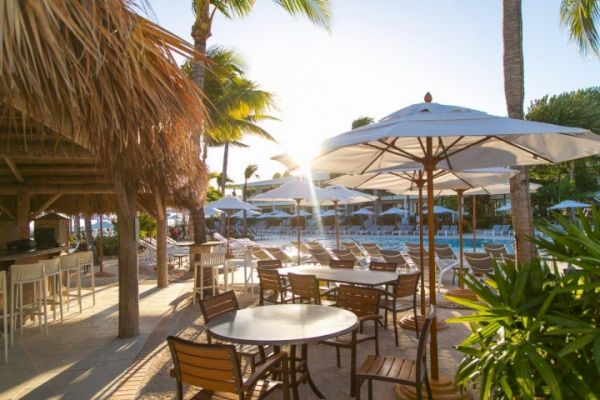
x=442, y=389
x=300, y=366
x=409, y=323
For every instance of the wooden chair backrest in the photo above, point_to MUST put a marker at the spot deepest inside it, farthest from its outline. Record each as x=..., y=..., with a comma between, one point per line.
x=213, y=259
x=51, y=266
x=445, y=252
x=220, y=304
x=341, y=264
x=269, y=279
x=421, y=361
x=86, y=258
x=406, y=284
x=383, y=266
x=269, y=264
x=306, y=287
x=69, y=262
x=26, y=273
x=213, y=367
x=361, y=301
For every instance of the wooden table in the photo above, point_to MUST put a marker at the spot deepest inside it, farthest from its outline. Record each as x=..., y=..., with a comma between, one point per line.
x=344, y=275
x=285, y=324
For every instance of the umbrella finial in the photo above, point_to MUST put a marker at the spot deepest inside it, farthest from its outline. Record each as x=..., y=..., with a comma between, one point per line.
x=428, y=97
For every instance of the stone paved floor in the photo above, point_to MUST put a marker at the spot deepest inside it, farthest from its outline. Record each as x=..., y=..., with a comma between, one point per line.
x=82, y=358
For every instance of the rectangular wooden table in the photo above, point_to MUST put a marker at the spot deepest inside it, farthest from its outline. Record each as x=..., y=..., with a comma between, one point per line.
x=344, y=275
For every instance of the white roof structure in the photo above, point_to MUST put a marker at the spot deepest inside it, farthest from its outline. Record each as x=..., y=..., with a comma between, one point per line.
x=569, y=204
x=462, y=139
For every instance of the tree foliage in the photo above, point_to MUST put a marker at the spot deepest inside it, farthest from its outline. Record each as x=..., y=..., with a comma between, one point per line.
x=362, y=121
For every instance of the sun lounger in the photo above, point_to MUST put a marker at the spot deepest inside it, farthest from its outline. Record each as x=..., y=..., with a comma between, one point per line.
x=372, y=249
x=354, y=248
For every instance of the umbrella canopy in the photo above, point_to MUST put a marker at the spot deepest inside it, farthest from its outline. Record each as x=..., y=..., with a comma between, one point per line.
x=400, y=181
x=297, y=190
x=303, y=213
x=329, y=213
x=569, y=204
x=281, y=214
x=249, y=214
x=266, y=215
x=504, y=208
x=440, y=210
x=363, y=211
x=231, y=203
x=503, y=188
x=395, y=211
x=462, y=139
x=210, y=211
x=344, y=195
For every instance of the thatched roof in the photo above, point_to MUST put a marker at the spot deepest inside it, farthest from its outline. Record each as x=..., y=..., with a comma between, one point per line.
x=89, y=89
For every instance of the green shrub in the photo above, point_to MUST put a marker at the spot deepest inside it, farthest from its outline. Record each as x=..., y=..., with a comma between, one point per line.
x=110, y=245
x=535, y=328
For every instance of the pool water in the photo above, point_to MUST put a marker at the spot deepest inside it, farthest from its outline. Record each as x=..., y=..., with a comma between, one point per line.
x=398, y=242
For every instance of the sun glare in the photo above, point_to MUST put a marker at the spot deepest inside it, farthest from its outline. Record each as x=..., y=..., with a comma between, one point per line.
x=302, y=152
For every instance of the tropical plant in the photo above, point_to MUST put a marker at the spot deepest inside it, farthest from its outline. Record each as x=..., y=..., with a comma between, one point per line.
x=317, y=11
x=535, y=328
x=362, y=121
x=580, y=18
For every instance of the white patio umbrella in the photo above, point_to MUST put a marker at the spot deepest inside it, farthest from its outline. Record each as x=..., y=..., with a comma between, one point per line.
x=281, y=214
x=230, y=204
x=437, y=210
x=569, y=204
x=363, y=211
x=329, y=213
x=303, y=213
x=395, y=211
x=297, y=191
x=504, y=209
x=249, y=214
x=211, y=211
x=431, y=136
x=344, y=195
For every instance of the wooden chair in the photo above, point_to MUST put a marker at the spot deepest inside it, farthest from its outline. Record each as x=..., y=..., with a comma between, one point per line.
x=405, y=287
x=272, y=288
x=69, y=265
x=364, y=302
x=23, y=274
x=383, y=266
x=212, y=307
x=269, y=264
x=401, y=370
x=53, y=277
x=216, y=369
x=86, y=261
x=305, y=289
x=341, y=264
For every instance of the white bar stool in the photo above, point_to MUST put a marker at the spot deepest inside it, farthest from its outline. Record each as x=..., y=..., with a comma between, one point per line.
x=86, y=262
x=207, y=260
x=3, y=294
x=53, y=275
x=69, y=264
x=21, y=274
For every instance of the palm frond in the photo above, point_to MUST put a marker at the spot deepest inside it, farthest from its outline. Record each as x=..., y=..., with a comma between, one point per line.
x=317, y=11
x=581, y=17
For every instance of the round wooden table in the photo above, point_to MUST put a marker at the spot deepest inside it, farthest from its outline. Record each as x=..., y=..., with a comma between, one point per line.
x=285, y=324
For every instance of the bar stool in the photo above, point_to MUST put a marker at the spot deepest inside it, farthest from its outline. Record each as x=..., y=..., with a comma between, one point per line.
x=4, y=313
x=21, y=274
x=208, y=260
x=86, y=262
x=69, y=264
x=52, y=274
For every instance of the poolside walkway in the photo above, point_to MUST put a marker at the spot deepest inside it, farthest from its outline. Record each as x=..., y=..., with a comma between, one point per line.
x=82, y=358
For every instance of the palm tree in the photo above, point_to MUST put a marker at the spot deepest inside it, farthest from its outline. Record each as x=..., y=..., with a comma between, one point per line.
x=580, y=17
x=362, y=121
x=317, y=11
x=249, y=172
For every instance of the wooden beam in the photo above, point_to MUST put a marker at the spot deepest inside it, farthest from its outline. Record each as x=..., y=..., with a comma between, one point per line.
x=59, y=180
x=55, y=189
x=14, y=169
x=44, y=206
x=50, y=170
x=5, y=210
x=47, y=152
x=23, y=205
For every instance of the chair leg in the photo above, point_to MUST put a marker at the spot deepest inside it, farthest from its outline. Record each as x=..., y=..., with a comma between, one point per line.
x=68, y=290
x=79, y=289
x=201, y=283
x=21, y=309
x=385, y=318
x=93, y=283
x=337, y=356
x=179, y=391
x=195, y=282
x=13, y=318
x=428, y=388
x=359, y=382
x=353, y=364
x=416, y=321
x=43, y=301
x=60, y=297
x=394, y=317
x=370, y=382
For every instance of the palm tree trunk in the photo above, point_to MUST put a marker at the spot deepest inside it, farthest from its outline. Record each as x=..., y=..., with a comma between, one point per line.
x=244, y=196
x=224, y=172
x=514, y=91
x=200, y=33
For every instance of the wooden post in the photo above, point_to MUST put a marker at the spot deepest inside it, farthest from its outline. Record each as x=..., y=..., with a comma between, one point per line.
x=101, y=247
x=298, y=226
x=460, y=192
x=162, y=268
x=336, y=224
x=129, y=312
x=23, y=206
x=474, y=216
x=421, y=248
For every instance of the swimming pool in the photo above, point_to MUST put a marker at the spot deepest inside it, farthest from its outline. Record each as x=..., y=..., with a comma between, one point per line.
x=398, y=242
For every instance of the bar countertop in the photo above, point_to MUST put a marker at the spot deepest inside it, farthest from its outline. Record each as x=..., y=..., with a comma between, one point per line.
x=13, y=255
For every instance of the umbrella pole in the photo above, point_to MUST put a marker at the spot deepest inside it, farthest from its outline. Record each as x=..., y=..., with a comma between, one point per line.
x=459, y=192
x=227, y=229
x=474, y=216
x=298, y=226
x=421, y=249
x=336, y=223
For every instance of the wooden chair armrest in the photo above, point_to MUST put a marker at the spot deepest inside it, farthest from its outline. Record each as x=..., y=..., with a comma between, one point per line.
x=370, y=317
x=265, y=367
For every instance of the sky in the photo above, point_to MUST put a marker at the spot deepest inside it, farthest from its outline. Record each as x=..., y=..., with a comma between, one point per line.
x=380, y=56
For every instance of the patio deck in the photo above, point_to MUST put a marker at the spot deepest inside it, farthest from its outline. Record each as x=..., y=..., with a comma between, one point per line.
x=82, y=358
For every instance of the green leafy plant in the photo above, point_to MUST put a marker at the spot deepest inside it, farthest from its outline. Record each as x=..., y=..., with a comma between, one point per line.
x=535, y=327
